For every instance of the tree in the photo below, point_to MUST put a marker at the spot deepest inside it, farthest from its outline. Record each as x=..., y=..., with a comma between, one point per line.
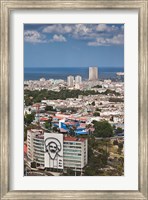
x=95, y=162
x=29, y=118
x=49, y=108
x=120, y=148
x=47, y=126
x=119, y=130
x=102, y=129
x=93, y=103
x=98, y=109
x=115, y=142
x=96, y=114
x=89, y=171
x=55, y=129
x=97, y=86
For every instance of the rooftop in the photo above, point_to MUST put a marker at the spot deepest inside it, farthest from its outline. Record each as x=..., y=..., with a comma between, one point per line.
x=69, y=138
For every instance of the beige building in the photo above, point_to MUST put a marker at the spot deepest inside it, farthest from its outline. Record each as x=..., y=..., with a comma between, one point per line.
x=93, y=73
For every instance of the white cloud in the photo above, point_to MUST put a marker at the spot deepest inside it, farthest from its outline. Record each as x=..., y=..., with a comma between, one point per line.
x=72, y=29
x=58, y=38
x=34, y=37
x=82, y=29
x=107, y=28
x=58, y=28
x=94, y=34
x=115, y=40
x=102, y=27
x=118, y=39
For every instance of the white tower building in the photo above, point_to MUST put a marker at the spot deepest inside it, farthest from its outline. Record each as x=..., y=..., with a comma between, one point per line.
x=93, y=73
x=70, y=81
x=78, y=79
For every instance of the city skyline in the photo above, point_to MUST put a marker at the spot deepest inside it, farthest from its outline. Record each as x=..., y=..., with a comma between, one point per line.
x=73, y=45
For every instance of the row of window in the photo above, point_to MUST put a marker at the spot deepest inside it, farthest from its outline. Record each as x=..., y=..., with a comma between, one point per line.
x=39, y=155
x=39, y=159
x=72, y=165
x=38, y=143
x=71, y=150
x=73, y=147
x=73, y=157
x=73, y=143
x=74, y=153
x=71, y=161
x=38, y=148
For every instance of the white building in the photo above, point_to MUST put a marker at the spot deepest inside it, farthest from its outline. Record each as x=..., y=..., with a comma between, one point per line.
x=70, y=81
x=93, y=73
x=42, y=79
x=78, y=79
x=35, y=146
x=53, y=150
x=75, y=153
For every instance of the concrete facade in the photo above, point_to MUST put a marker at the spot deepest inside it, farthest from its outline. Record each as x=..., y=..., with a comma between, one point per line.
x=93, y=73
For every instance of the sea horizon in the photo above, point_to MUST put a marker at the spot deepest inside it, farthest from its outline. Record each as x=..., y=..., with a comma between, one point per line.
x=33, y=73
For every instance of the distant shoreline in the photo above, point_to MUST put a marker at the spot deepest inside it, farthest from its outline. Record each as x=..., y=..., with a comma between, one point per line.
x=63, y=72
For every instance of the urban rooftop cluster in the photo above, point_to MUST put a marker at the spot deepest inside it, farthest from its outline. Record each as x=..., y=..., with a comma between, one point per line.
x=64, y=117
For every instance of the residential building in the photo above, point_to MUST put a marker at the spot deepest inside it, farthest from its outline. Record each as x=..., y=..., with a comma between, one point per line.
x=70, y=81
x=78, y=79
x=93, y=73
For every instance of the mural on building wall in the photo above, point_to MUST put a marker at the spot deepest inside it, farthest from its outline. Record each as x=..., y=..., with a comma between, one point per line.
x=54, y=150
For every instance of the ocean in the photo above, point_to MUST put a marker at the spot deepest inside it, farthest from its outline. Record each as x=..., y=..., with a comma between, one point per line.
x=63, y=72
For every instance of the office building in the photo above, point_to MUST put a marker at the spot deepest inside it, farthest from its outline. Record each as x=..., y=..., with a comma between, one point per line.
x=53, y=150
x=75, y=153
x=70, y=81
x=93, y=73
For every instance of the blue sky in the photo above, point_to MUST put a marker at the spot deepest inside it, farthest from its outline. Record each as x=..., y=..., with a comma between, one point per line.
x=73, y=45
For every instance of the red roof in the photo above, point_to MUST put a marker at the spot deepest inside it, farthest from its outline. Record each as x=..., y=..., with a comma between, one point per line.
x=36, y=105
x=69, y=138
x=83, y=118
x=44, y=118
x=58, y=117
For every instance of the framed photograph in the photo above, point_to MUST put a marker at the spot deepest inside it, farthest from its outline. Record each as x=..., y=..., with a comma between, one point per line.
x=74, y=99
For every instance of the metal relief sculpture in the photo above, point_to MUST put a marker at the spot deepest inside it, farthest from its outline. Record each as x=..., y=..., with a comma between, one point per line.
x=53, y=153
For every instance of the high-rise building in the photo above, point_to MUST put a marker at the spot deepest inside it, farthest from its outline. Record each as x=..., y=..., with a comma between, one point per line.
x=93, y=73
x=78, y=79
x=70, y=81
